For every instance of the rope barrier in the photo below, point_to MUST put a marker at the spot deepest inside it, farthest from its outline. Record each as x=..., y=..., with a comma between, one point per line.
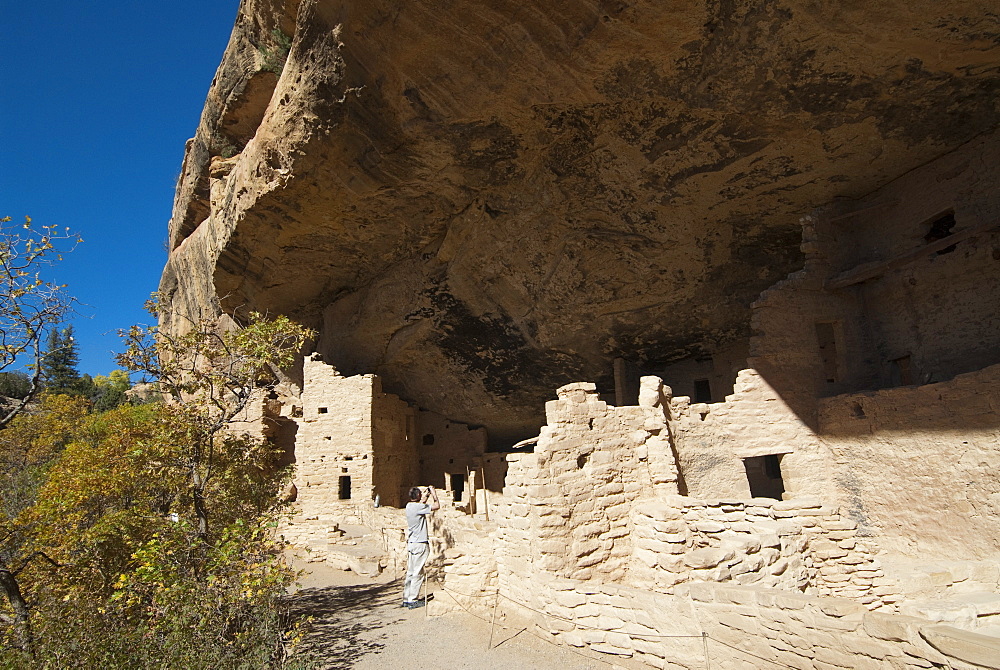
x=703, y=635
x=743, y=651
x=525, y=630
x=572, y=621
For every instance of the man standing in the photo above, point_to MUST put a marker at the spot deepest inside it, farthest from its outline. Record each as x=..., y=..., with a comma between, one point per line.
x=417, y=542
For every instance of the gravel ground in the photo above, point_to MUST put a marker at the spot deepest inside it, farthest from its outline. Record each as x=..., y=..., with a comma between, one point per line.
x=359, y=624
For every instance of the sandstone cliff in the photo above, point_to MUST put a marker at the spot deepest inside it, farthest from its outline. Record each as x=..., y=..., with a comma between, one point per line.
x=481, y=201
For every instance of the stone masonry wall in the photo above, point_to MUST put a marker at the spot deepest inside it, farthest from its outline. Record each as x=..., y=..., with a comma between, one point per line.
x=794, y=545
x=447, y=447
x=933, y=313
x=713, y=439
x=743, y=627
x=913, y=465
x=334, y=439
x=566, y=507
x=738, y=603
x=719, y=370
x=592, y=503
x=918, y=465
x=394, y=451
x=350, y=428
x=940, y=310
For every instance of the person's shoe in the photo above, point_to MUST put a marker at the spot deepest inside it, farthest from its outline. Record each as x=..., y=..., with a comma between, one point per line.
x=414, y=605
x=406, y=604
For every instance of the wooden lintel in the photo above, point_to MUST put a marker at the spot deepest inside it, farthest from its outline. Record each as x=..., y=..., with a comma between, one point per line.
x=863, y=210
x=876, y=269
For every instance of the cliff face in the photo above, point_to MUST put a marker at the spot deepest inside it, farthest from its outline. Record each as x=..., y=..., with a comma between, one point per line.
x=481, y=201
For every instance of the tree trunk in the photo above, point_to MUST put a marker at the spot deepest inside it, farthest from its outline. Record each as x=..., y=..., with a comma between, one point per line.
x=198, y=495
x=22, y=619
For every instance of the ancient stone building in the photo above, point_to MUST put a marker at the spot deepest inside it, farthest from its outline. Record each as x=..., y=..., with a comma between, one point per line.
x=692, y=309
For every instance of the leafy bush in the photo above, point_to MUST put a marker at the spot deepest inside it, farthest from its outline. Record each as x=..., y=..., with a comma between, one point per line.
x=144, y=536
x=275, y=55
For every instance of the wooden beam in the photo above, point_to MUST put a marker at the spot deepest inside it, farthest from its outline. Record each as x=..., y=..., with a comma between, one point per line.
x=864, y=210
x=868, y=271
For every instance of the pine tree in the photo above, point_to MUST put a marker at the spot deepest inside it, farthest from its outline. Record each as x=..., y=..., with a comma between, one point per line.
x=59, y=364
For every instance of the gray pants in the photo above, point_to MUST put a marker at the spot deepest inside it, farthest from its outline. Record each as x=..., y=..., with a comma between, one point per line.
x=416, y=558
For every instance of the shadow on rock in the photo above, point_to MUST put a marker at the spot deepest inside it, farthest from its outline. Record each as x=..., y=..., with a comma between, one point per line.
x=346, y=621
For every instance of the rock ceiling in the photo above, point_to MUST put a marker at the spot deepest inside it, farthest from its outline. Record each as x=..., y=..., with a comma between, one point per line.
x=481, y=201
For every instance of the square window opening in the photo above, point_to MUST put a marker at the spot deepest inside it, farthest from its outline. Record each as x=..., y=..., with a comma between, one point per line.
x=764, y=476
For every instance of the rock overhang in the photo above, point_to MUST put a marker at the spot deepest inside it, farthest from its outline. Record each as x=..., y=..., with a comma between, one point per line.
x=483, y=201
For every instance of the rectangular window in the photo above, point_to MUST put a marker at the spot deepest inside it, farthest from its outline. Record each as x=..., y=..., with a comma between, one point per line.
x=345, y=488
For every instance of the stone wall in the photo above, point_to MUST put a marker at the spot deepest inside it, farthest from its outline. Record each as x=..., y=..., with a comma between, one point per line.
x=939, y=309
x=348, y=427
x=334, y=439
x=876, y=304
x=729, y=626
x=448, y=448
x=566, y=507
x=713, y=439
x=918, y=465
x=794, y=545
x=393, y=448
x=718, y=369
x=666, y=579
x=598, y=500
x=914, y=466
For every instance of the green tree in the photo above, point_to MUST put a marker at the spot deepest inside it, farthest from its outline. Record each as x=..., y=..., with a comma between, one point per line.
x=126, y=580
x=15, y=384
x=108, y=392
x=59, y=364
x=210, y=378
x=28, y=446
x=117, y=553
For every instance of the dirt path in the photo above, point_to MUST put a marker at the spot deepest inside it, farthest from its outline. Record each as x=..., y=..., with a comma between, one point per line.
x=359, y=624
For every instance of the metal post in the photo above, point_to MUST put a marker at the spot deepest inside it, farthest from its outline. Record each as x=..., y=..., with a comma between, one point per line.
x=493, y=620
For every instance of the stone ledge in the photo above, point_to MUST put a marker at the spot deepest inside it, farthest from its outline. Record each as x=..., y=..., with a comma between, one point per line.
x=981, y=650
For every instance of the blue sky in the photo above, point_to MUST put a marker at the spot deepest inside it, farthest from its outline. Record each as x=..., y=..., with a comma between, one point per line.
x=98, y=100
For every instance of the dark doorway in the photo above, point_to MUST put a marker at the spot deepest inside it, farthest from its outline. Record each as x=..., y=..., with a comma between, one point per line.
x=764, y=475
x=702, y=390
x=457, y=486
x=345, y=488
x=901, y=371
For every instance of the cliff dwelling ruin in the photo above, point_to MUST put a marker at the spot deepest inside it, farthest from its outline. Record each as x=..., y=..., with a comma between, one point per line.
x=692, y=309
